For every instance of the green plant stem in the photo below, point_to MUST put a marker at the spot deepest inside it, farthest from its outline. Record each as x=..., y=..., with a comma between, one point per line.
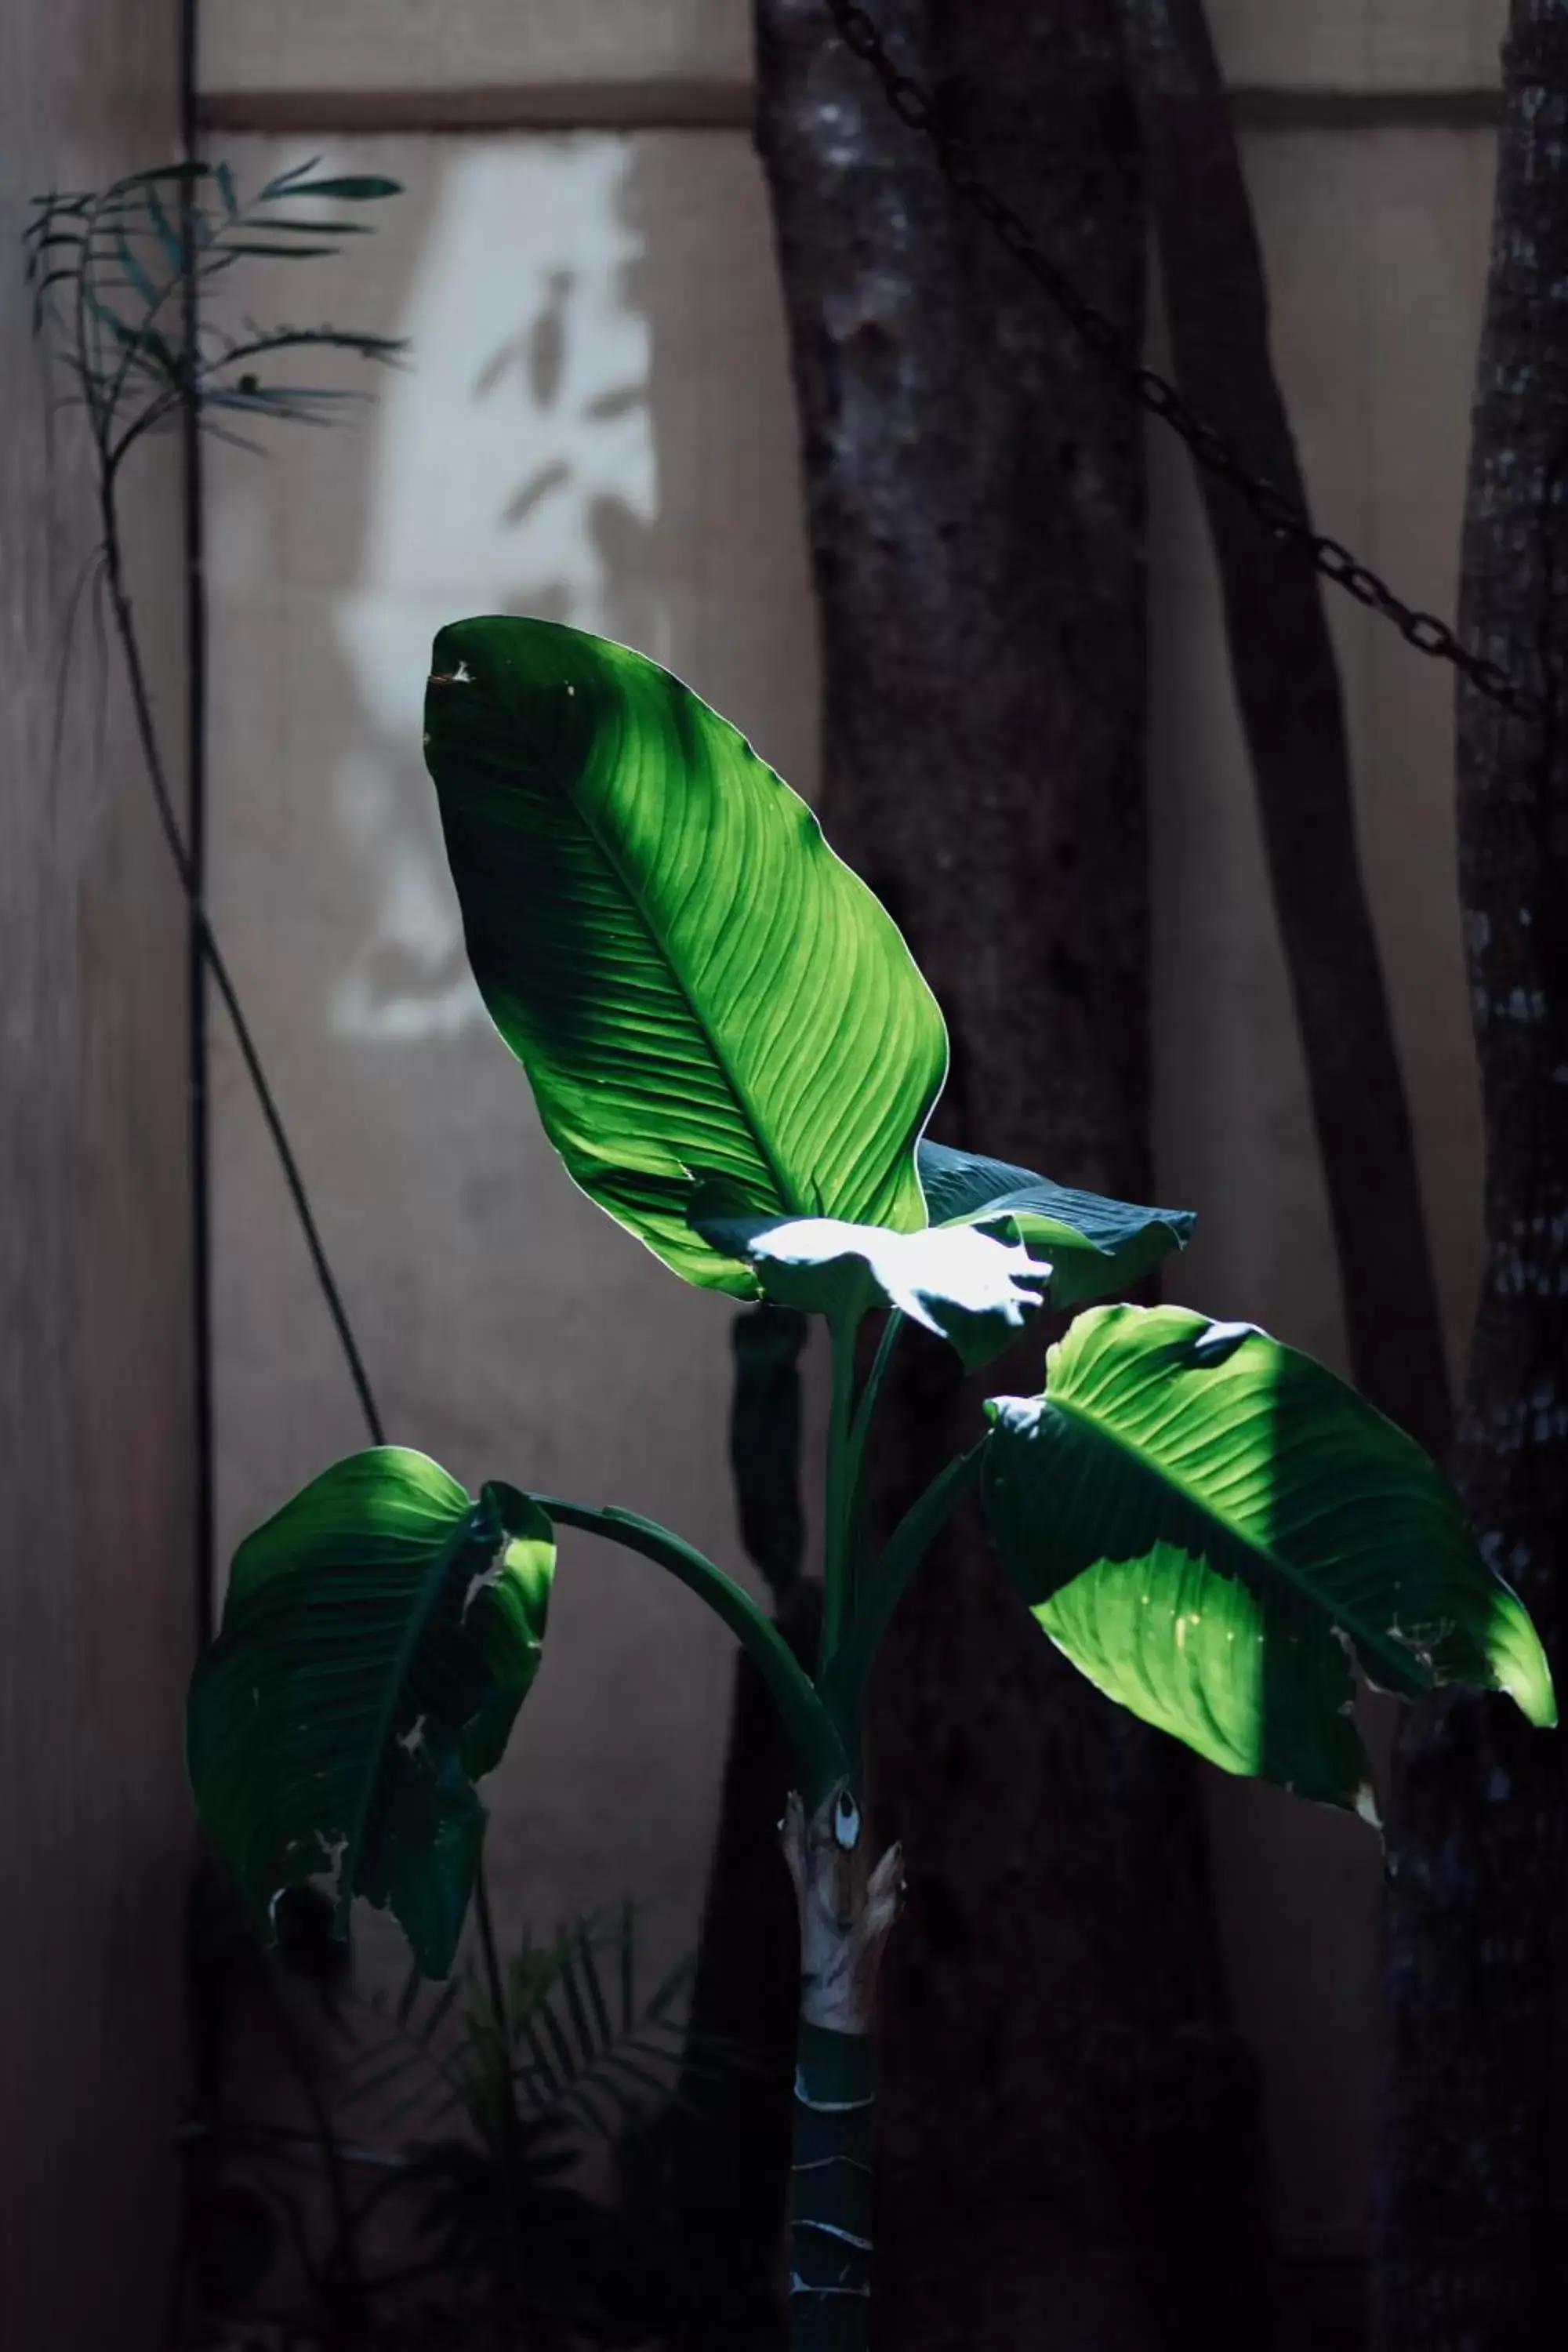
x=508, y=2120
x=845, y=1680
x=838, y=1562
x=859, y=1438
x=818, y=1751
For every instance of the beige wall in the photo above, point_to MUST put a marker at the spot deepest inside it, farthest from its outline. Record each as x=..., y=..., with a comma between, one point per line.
x=423, y=46
x=97, y=1595
x=1395, y=46
x=354, y=46
x=598, y=423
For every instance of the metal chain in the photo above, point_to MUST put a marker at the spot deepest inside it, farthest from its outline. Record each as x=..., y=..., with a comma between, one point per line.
x=1280, y=514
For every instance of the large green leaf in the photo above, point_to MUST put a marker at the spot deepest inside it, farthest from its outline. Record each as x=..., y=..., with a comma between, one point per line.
x=965, y=1286
x=700, y=993
x=1212, y=1526
x=1096, y=1246
x=379, y=1635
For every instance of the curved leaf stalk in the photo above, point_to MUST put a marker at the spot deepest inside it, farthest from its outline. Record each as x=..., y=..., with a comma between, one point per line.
x=818, y=1749
x=860, y=1435
x=845, y=1680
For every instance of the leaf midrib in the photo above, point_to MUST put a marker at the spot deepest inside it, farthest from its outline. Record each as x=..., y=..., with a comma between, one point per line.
x=1377, y=1641
x=661, y=948
x=431, y=1587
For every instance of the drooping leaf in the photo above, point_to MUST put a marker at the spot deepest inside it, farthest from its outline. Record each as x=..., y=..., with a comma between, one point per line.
x=1212, y=1526
x=1096, y=1246
x=965, y=1286
x=379, y=1636
x=700, y=991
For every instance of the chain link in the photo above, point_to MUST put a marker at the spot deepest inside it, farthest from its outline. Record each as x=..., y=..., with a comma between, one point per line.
x=1281, y=515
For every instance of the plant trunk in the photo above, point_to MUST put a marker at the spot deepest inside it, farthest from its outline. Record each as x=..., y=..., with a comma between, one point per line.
x=1288, y=688
x=1469, y=2250
x=732, y=2121
x=845, y=1909
x=1062, y=2106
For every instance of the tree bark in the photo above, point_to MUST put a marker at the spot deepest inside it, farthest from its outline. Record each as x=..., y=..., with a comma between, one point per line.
x=1288, y=686
x=1059, y=2092
x=1470, y=2251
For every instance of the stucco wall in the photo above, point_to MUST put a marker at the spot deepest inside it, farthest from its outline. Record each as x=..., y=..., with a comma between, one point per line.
x=96, y=1575
x=598, y=423
x=348, y=47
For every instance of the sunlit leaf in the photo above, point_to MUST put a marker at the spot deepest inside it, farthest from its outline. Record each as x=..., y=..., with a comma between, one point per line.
x=965, y=1286
x=701, y=993
x=1212, y=1527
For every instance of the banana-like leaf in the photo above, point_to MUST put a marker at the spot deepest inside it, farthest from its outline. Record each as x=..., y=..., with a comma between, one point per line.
x=700, y=993
x=1096, y=1246
x=965, y=1286
x=1212, y=1526
x=379, y=1636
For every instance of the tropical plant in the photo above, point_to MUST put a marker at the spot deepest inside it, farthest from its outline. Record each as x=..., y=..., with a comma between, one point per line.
x=735, y=1055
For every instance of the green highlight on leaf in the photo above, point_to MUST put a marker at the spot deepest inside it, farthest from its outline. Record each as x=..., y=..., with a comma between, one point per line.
x=701, y=993
x=1213, y=1526
x=379, y=1635
x=1096, y=1246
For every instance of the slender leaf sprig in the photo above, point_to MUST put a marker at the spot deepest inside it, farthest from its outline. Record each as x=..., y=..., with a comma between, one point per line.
x=109, y=271
x=122, y=280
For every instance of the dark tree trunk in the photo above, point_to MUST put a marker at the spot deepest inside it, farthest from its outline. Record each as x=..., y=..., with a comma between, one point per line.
x=1288, y=685
x=1060, y=2094
x=1471, y=2247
